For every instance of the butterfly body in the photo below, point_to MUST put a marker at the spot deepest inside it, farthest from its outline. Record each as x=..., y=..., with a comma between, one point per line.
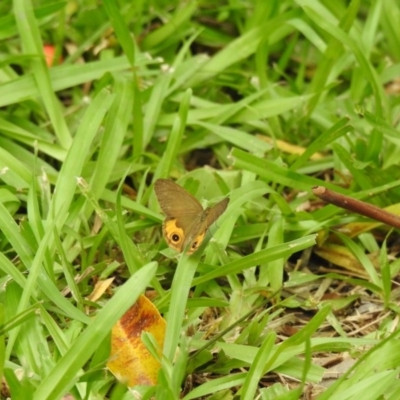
x=187, y=222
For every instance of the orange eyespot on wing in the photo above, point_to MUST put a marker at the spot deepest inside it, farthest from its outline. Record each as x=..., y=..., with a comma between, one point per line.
x=196, y=243
x=174, y=235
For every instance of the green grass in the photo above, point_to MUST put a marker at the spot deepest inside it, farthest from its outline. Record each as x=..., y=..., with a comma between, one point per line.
x=212, y=95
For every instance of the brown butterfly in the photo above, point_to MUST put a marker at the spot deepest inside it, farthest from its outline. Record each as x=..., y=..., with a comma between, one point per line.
x=187, y=222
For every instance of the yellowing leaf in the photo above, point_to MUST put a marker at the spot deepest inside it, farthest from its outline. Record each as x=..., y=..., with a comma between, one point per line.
x=288, y=147
x=99, y=289
x=340, y=255
x=354, y=229
x=130, y=360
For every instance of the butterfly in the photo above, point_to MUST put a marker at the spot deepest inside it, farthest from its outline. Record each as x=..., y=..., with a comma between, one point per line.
x=186, y=222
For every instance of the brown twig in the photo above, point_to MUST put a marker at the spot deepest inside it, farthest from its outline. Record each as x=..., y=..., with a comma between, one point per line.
x=358, y=206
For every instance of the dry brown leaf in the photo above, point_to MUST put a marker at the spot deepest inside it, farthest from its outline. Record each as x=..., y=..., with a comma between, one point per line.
x=99, y=289
x=130, y=360
x=341, y=256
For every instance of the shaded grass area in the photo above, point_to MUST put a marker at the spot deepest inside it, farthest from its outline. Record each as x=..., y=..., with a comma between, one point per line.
x=255, y=100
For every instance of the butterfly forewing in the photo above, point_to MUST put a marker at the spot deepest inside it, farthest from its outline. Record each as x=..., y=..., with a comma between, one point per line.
x=176, y=201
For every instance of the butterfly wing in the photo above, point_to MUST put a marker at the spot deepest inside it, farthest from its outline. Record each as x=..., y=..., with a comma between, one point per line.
x=176, y=201
x=183, y=213
x=187, y=222
x=209, y=216
x=215, y=211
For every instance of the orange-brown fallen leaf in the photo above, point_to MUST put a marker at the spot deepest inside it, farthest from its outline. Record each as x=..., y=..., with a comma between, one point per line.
x=130, y=361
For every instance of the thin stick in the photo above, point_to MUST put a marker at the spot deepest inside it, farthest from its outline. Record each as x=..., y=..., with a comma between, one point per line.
x=358, y=206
